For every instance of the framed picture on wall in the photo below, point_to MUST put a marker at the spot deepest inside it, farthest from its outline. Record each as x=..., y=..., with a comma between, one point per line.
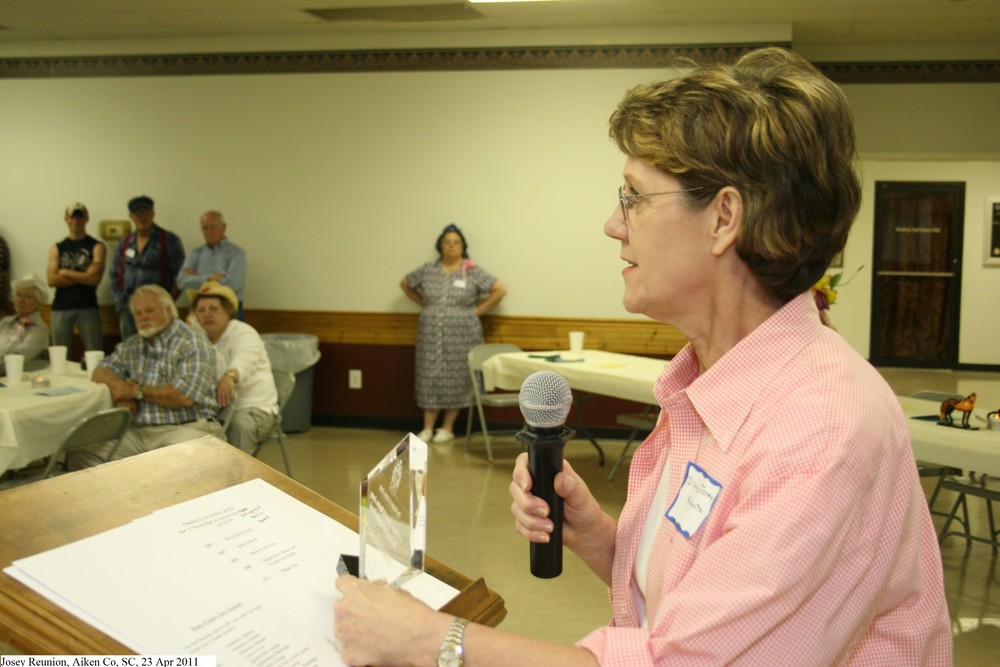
x=991, y=229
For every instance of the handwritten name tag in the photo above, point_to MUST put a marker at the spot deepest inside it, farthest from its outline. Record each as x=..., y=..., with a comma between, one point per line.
x=694, y=501
x=460, y=284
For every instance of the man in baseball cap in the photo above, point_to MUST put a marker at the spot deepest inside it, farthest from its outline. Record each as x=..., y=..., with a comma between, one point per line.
x=75, y=268
x=150, y=255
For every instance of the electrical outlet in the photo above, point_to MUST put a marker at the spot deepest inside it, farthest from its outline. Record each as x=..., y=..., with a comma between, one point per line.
x=354, y=379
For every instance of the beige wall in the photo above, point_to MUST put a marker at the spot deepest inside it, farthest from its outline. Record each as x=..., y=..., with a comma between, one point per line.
x=337, y=184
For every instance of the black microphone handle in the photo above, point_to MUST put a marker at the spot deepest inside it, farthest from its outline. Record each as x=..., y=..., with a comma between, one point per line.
x=545, y=459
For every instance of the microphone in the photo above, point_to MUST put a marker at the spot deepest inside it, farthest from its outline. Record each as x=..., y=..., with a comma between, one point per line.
x=545, y=400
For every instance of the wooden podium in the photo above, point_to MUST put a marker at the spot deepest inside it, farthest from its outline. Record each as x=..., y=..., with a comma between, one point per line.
x=47, y=514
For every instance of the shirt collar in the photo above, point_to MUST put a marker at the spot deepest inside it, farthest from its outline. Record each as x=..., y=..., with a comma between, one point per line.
x=166, y=333
x=724, y=394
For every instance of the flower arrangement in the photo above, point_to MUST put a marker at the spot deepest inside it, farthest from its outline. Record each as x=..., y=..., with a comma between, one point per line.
x=825, y=289
x=825, y=293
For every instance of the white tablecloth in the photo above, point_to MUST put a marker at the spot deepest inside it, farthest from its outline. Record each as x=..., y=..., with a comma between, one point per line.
x=631, y=377
x=607, y=373
x=32, y=424
x=946, y=445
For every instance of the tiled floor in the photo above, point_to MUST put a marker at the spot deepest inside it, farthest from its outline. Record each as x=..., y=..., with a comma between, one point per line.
x=466, y=491
x=470, y=527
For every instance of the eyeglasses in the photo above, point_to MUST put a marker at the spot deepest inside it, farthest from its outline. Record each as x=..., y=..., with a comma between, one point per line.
x=628, y=201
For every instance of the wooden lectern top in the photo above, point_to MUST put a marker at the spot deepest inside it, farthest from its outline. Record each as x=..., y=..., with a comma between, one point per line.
x=53, y=512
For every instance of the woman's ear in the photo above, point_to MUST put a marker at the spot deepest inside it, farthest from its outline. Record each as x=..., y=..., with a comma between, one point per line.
x=728, y=209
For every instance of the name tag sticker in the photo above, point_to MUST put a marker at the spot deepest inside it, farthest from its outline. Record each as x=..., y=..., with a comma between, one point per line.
x=694, y=501
x=460, y=283
x=130, y=252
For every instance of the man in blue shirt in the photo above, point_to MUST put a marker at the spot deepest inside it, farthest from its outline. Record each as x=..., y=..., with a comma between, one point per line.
x=165, y=376
x=150, y=255
x=219, y=260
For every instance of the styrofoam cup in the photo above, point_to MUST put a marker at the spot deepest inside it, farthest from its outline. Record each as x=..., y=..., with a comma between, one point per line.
x=57, y=358
x=14, y=363
x=92, y=358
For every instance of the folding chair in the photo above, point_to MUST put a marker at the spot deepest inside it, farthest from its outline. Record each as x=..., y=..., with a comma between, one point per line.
x=226, y=416
x=284, y=382
x=477, y=356
x=105, y=426
x=927, y=469
x=644, y=421
x=988, y=490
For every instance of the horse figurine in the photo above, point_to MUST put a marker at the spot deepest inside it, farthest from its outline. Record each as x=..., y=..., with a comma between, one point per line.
x=963, y=405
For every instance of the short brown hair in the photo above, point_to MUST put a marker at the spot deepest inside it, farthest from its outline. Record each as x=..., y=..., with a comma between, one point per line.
x=772, y=126
x=223, y=302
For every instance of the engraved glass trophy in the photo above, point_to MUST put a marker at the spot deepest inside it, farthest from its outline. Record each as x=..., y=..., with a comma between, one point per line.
x=394, y=514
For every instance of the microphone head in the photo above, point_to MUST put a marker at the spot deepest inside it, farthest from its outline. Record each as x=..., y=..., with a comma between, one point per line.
x=545, y=399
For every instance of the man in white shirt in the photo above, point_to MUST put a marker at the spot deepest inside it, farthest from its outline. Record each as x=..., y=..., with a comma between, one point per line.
x=244, y=370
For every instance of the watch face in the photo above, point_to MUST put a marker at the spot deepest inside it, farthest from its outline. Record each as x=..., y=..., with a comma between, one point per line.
x=450, y=656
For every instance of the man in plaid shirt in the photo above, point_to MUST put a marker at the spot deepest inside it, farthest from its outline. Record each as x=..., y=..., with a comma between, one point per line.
x=165, y=375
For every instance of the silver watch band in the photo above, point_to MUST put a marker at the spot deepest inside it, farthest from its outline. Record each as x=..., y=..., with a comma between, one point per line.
x=451, y=653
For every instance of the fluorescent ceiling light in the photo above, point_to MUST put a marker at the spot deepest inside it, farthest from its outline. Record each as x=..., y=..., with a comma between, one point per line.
x=477, y=2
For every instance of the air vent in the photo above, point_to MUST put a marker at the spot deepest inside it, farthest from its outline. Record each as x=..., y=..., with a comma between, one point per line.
x=401, y=14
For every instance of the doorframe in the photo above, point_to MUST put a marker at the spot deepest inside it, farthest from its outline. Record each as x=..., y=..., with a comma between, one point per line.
x=956, y=239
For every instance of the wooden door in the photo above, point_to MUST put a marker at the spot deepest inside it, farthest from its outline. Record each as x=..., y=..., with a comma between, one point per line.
x=918, y=269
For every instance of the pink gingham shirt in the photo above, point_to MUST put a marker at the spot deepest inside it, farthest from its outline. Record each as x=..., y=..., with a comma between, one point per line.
x=818, y=550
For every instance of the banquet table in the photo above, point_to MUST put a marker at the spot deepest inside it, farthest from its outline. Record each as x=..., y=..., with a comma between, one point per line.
x=625, y=376
x=33, y=420
x=970, y=450
x=631, y=377
x=612, y=374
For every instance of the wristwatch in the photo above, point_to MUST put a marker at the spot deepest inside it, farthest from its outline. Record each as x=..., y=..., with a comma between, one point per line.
x=451, y=654
x=139, y=395
x=234, y=375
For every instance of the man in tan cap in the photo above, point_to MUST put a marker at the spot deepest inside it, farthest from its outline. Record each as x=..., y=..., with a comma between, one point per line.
x=76, y=265
x=244, y=370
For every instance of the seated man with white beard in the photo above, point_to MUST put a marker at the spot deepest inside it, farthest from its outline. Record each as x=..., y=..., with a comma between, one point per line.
x=243, y=368
x=165, y=375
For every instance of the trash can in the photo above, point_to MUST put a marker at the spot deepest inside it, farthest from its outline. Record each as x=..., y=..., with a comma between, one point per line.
x=297, y=354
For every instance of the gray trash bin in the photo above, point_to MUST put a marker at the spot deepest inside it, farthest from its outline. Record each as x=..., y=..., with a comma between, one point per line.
x=298, y=354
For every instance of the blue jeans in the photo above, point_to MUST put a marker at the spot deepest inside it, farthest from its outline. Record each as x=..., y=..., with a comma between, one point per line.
x=127, y=324
x=88, y=323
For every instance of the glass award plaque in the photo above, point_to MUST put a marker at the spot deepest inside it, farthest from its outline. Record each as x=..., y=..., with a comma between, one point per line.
x=393, y=514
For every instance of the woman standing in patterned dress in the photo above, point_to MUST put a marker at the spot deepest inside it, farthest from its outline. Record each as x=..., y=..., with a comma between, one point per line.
x=453, y=293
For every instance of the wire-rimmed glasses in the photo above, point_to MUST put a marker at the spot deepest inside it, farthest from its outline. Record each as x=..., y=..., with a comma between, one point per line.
x=628, y=201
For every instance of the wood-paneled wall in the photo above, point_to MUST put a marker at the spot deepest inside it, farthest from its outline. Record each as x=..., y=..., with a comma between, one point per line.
x=644, y=337
x=381, y=346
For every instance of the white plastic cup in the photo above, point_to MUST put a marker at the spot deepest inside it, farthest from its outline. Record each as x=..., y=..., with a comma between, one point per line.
x=15, y=369
x=57, y=359
x=576, y=342
x=92, y=358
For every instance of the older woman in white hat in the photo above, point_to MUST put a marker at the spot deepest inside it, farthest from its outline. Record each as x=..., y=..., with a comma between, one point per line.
x=244, y=370
x=25, y=332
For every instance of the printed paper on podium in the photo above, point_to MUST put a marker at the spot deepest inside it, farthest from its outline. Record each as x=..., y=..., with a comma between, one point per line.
x=393, y=514
x=245, y=574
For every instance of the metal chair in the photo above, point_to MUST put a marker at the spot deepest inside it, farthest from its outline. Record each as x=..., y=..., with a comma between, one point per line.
x=477, y=356
x=928, y=469
x=641, y=422
x=284, y=382
x=106, y=426
x=226, y=416
x=988, y=490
